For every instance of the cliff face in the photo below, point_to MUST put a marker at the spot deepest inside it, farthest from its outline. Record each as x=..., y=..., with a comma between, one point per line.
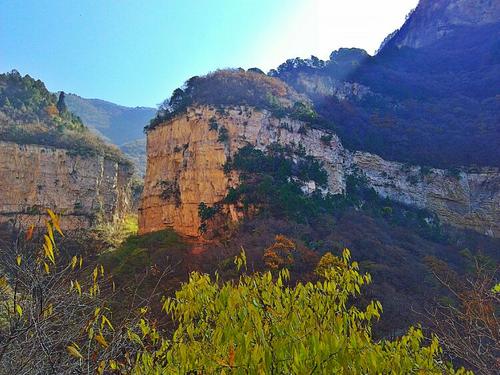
x=186, y=158
x=467, y=199
x=434, y=19
x=82, y=188
x=185, y=162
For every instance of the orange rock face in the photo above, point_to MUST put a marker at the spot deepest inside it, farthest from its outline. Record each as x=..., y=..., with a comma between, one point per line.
x=81, y=188
x=186, y=156
x=186, y=159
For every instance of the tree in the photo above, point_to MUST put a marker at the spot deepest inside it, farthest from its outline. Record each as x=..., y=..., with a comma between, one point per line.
x=54, y=317
x=260, y=324
x=61, y=104
x=467, y=322
x=280, y=253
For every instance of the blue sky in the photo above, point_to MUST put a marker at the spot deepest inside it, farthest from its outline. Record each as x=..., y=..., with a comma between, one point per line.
x=136, y=52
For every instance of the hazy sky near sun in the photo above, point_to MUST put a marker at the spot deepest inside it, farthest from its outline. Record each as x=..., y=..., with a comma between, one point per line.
x=135, y=52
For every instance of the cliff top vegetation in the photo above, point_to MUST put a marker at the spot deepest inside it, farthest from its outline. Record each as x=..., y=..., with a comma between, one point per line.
x=236, y=87
x=30, y=114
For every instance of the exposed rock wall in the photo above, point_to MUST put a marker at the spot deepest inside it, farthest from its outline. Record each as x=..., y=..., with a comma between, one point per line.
x=81, y=188
x=468, y=199
x=186, y=158
x=434, y=19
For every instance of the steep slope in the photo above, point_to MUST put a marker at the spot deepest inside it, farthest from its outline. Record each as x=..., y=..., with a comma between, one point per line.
x=49, y=159
x=122, y=126
x=428, y=97
x=117, y=123
x=433, y=20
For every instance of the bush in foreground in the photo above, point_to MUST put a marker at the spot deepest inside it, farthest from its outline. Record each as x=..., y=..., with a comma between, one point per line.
x=260, y=324
x=55, y=322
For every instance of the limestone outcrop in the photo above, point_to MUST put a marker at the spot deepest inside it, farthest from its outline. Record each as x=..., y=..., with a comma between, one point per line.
x=186, y=156
x=83, y=189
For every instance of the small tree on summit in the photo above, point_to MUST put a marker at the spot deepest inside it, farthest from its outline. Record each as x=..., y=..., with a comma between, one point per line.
x=61, y=105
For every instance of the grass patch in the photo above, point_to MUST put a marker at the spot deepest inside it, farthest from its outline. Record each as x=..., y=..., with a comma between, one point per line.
x=114, y=234
x=138, y=252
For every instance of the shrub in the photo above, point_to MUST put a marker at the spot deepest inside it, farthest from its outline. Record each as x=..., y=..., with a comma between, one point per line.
x=235, y=88
x=54, y=318
x=326, y=139
x=280, y=253
x=223, y=135
x=261, y=324
x=212, y=124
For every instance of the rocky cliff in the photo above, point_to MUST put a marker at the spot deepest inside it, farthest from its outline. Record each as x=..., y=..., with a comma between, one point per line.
x=435, y=19
x=186, y=156
x=82, y=188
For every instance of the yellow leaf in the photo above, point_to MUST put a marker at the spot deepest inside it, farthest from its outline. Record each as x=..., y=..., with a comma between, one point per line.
x=55, y=221
x=101, y=367
x=74, y=351
x=101, y=340
x=46, y=267
x=18, y=260
x=105, y=320
x=50, y=232
x=48, y=311
x=49, y=249
x=19, y=310
x=51, y=214
x=78, y=287
x=3, y=282
x=74, y=260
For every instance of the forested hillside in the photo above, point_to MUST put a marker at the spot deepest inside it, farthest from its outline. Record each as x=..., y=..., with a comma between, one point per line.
x=427, y=98
x=30, y=114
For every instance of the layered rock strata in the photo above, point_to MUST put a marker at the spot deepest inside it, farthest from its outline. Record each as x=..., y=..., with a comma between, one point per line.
x=186, y=156
x=84, y=189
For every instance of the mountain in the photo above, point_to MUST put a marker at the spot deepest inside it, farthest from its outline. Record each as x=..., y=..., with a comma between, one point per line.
x=433, y=20
x=117, y=123
x=236, y=158
x=428, y=97
x=49, y=159
x=122, y=126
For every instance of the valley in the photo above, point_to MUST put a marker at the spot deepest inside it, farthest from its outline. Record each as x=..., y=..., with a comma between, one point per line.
x=329, y=216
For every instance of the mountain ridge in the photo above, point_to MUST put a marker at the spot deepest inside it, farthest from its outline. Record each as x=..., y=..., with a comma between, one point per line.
x=434, y=105
x=120, y=125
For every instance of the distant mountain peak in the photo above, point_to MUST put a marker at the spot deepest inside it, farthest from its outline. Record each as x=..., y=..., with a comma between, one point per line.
x=434, y=19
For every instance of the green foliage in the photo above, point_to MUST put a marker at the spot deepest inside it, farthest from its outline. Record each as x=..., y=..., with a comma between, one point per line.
x=114, y=234
x=30, y=114
x=138, y=252
x=326, y=139
x=274, y=181
x=223, y=135
x=212, y=124
x=259, y=324
x=206, y=213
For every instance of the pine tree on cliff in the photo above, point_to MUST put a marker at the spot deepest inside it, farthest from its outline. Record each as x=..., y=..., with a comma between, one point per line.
x=61, y=105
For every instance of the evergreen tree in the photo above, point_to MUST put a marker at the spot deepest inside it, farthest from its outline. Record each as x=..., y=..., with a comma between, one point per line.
x=61, y=105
